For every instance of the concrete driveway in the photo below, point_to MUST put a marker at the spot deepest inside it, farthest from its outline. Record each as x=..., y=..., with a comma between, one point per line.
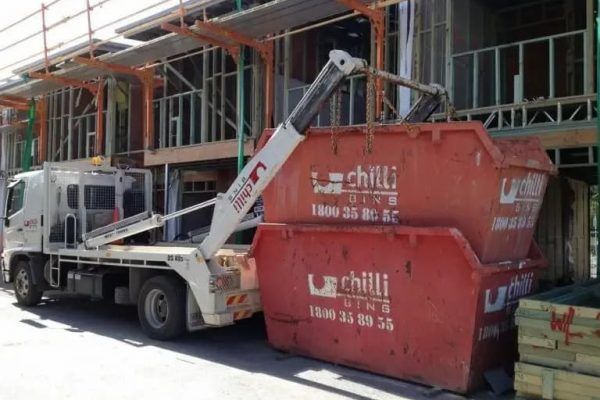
x=72, y=348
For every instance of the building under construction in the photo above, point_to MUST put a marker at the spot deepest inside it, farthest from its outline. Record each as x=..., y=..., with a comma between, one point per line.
x=192, y=98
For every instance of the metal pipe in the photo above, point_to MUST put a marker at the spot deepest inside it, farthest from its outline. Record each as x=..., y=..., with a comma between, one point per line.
x=433, y=90
x=241, y=110
x=51, y=26
x=99, y=145
x=99, y=43
x=88, y=10
x=240, y=102
x=188, y=210
x=522, y=42
x=26, y=156
x=45, y=39
x=598, y=138
x=25, y=18
x=552, y=69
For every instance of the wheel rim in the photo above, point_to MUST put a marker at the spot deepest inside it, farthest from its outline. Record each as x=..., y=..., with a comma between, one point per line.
x=156, y=308
x=22, y=283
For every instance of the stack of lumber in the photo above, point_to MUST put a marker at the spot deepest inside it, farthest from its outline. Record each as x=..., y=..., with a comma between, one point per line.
x=559, y=344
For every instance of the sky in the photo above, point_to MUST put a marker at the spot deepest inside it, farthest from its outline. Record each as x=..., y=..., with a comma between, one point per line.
x=65, y=34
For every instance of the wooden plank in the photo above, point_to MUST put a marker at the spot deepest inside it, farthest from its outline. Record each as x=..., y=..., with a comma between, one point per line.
x=561, y=309
x=587, y=359
x=528, y=390
x=570, y=138
x=542, y=352
x=578, y=348
x=549, y=386
x=559, y=336
x=555, y=230
x=575, y=330
x=548, y=232
x=559, y=268
x=194, y=153
x=538, y=342
x=547, y=316
x=560, y=375
x=562, y=364
x=580, y=230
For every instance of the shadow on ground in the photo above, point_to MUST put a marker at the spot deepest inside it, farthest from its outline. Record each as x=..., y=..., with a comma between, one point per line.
x=242, y=346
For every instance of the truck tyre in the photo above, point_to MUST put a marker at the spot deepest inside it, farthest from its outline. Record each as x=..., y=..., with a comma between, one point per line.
x=27, y=293
x=161, y=307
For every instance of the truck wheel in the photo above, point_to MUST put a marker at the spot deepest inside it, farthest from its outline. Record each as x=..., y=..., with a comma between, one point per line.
x=27, y=293
x=161, y=307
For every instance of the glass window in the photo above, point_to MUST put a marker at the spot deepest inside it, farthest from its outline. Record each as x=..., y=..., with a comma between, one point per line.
x=14, y=202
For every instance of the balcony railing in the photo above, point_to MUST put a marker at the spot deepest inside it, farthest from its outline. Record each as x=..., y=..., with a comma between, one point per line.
x=498, y=75
x=495, y=85
x=541, y=114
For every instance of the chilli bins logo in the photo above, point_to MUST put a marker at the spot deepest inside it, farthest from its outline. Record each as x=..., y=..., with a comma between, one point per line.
x=364, y=284
x=370, y=179
x=240, y=198
x=527, y=189
x=508, y=295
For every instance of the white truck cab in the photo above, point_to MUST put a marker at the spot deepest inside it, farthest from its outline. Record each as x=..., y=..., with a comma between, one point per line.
x=23, y=216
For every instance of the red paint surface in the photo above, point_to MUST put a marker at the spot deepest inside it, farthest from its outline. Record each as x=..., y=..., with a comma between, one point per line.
x=436, y=300
x=449, y=174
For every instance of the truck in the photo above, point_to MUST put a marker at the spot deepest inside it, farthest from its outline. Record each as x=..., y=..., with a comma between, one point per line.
x=87, y=229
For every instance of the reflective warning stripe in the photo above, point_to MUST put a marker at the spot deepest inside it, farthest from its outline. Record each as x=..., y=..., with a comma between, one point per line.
x=236, y=299
x=242, y=314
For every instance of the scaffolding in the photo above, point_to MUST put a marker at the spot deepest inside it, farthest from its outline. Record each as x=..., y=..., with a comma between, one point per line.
x=197, y=82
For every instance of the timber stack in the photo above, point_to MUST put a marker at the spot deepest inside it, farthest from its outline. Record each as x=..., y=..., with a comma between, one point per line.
x=559, y=344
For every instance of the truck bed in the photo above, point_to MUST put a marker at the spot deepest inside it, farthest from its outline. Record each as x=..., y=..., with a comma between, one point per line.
x=154, y=256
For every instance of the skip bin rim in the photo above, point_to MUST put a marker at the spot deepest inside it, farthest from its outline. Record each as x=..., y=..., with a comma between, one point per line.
x=535, y=258
x=436, y=129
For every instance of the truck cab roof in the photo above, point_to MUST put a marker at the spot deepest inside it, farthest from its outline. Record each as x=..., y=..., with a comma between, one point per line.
x=27, y=174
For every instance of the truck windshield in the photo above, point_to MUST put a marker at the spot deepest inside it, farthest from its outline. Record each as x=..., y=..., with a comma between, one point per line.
x=14, y=201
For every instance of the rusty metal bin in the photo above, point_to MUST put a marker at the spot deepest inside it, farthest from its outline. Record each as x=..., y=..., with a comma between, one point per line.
x=411, y=303
x=448, y=174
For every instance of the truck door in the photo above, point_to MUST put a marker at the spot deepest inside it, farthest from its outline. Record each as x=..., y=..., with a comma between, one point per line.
x=13, y=221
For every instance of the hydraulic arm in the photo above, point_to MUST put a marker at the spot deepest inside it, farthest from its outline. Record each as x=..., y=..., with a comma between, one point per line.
x=232, y=206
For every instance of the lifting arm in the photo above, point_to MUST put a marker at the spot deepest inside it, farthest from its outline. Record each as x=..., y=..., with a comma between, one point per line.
x=232, y=206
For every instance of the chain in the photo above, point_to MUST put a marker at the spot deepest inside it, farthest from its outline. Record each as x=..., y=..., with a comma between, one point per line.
x=388, y=103
x=450, y=111
x=370, y=112
x=335, y=114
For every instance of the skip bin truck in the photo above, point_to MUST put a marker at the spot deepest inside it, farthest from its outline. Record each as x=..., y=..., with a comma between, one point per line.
x=83, y=229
